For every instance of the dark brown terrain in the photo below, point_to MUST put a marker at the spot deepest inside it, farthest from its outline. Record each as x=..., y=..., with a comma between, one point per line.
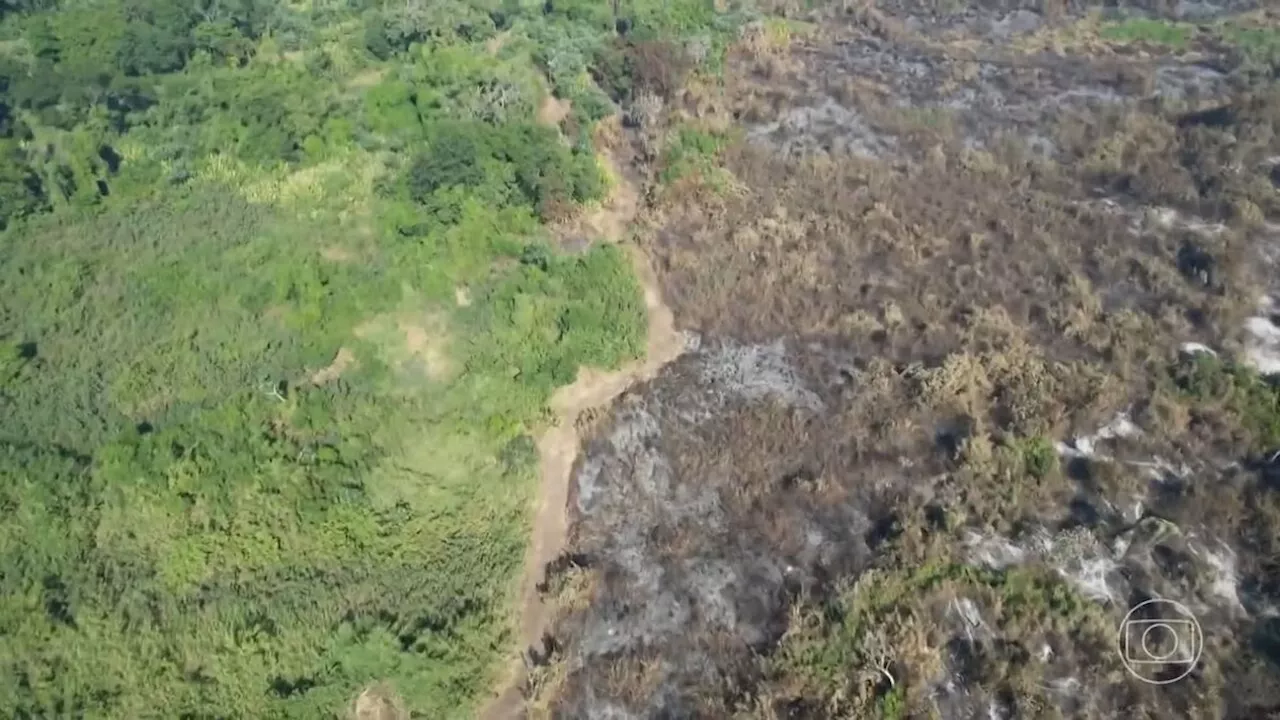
x=980, y=295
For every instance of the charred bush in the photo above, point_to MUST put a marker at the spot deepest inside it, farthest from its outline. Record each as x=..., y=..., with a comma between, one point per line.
x=627, y=69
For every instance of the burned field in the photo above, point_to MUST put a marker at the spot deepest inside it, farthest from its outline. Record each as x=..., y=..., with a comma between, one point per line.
x=977, y=304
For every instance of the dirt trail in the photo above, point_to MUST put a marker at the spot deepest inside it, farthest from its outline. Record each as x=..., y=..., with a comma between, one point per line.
x=558, y=447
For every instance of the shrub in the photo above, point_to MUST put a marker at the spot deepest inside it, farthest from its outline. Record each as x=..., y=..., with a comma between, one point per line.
x=1039, y=456
x=691, y=151
x=454, y=157
x=1237, y=390
x=519, y=162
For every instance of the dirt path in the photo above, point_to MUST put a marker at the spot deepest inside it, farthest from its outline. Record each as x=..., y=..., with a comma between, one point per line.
x=558, y=446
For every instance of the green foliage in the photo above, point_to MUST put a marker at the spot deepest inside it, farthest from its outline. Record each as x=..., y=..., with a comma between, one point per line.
x=398, y=26
x=692, y=152
x=1159, y=32
x=21, y=189
x=1235, y=389
x=390, y=111
x=1039, y=456
x=208, y=516
x=514, y=163
x=893, y=705
x=1259, y=44
x=193, y=527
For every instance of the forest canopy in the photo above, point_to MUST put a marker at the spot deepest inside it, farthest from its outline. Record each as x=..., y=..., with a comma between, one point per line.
x=279, y=317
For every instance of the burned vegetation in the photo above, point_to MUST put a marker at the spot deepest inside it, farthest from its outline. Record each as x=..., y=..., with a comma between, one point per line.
x=980, y=334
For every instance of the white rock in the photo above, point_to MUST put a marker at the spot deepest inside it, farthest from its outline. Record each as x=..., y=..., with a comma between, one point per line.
x=1195, y=348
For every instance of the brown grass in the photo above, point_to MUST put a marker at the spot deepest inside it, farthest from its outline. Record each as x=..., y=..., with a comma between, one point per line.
x=553, y=110
x=978, y=298
x=343, y=361
x=379, y=702
x=337, y=254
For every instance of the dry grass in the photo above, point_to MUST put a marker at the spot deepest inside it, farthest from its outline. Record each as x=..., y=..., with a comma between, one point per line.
x=343, y=361
x=982, y=303
x=337, y=254
x=553, y=110
x=379, y=702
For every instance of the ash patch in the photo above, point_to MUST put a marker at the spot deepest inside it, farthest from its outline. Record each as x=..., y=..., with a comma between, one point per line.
x=749, y=483
x=729, y=374
x=984, y=93
x=1190, y=83
x=865, y=93
x=1262, y=334
x=754, y=372
x=1018, y=22
x=826, y=127
x=693, y=543
x=1075, y=553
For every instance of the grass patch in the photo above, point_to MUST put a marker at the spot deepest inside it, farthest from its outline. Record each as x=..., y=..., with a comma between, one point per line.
x=1256, y=40
x=694, y=153
x=1218, y=387
x=840, y=655
x=1260, y=45
x=1158, y=32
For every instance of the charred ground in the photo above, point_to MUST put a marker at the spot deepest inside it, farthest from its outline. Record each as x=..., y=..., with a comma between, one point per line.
x=973, y=292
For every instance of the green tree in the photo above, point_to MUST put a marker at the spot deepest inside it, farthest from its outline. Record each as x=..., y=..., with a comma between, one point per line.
x=21, y=190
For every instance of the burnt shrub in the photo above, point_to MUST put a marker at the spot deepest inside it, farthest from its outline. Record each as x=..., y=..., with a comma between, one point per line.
x=627, y=68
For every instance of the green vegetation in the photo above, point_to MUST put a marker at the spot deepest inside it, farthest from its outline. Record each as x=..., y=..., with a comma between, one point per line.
x=1250, y=400
x=839, y=655
x=1260, y=44
x=893, y=704
x=1160, y=32
x=1256, y=39
x=694, y=152
x=279, y=318
x=1039, y=456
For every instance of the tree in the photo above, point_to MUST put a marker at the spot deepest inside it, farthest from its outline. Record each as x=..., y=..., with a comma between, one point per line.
x=453, y=158
x=158, y=37
x=21, y=191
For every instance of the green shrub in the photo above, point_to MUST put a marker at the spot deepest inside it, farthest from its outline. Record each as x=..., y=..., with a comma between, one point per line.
x=1236, y=389
x=519, y=162
x=692, y=152
x=1039, y=456
x=893, y=705
x=455, y=156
